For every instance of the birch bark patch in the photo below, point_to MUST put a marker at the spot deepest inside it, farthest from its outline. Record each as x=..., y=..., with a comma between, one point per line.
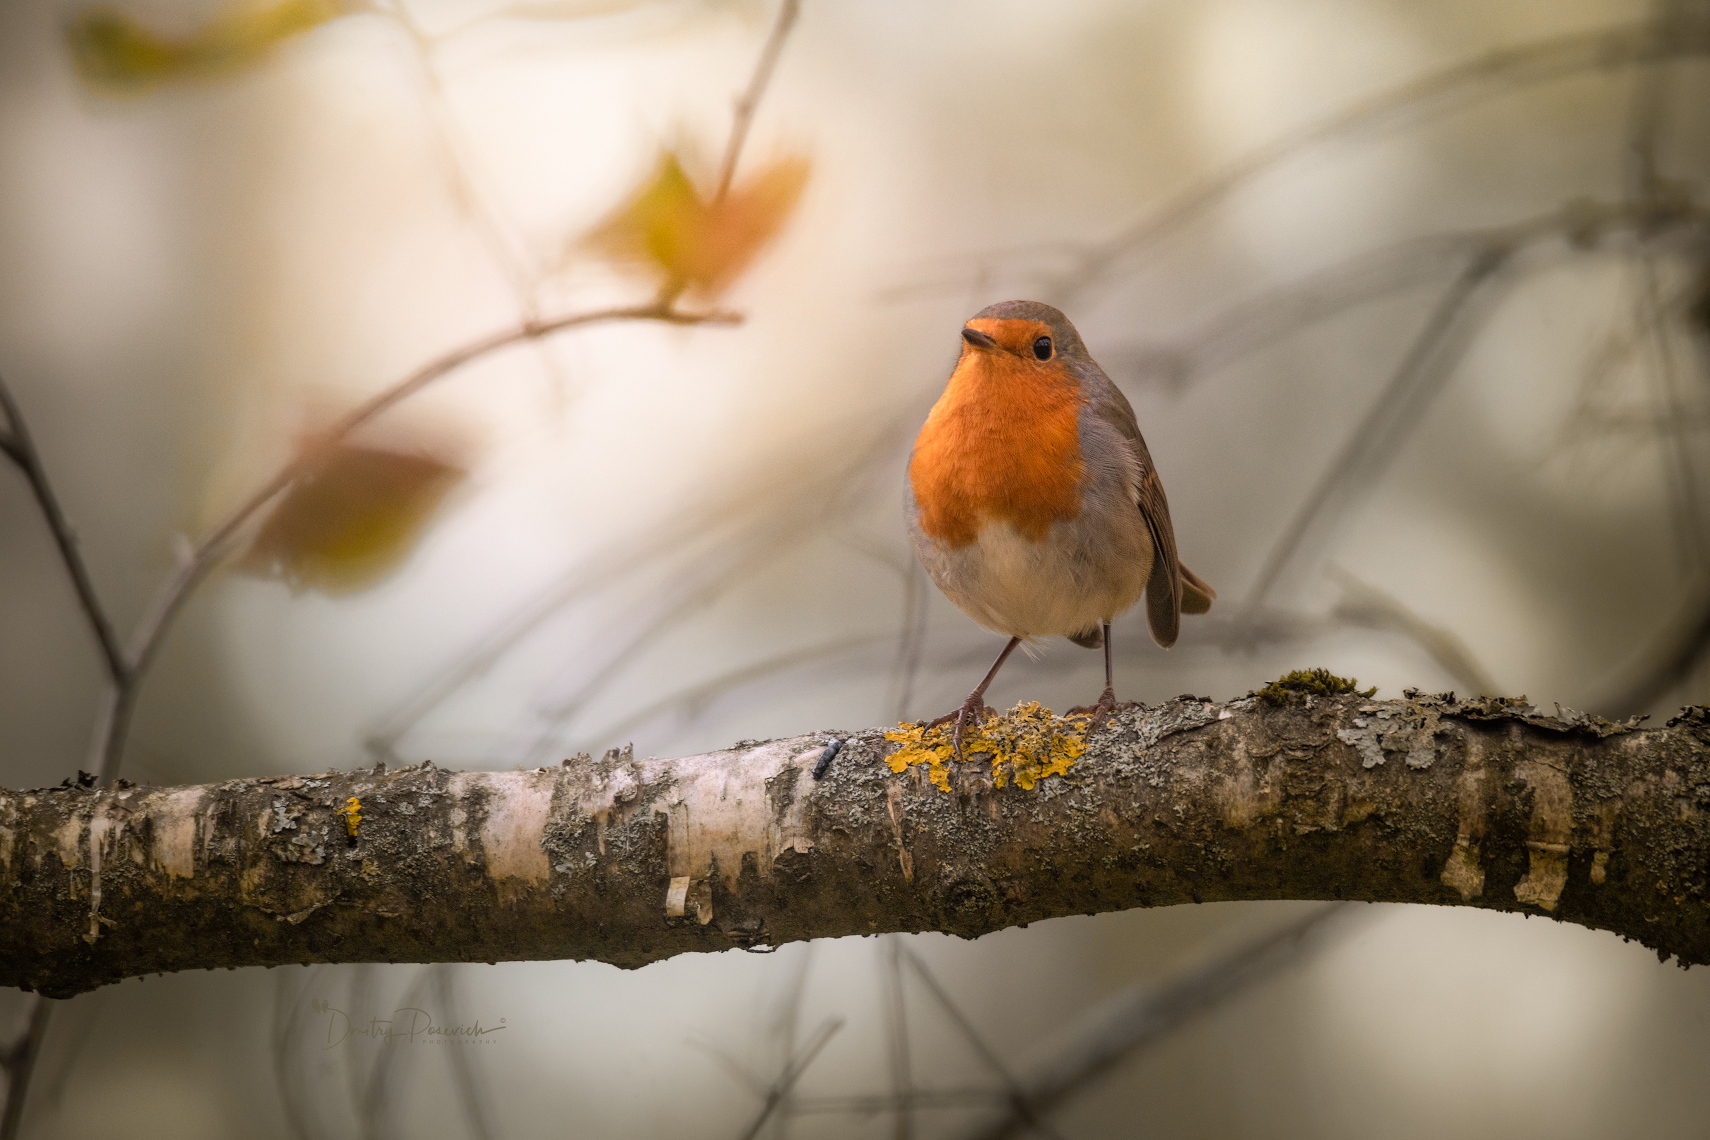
x=1464, y=872
x=1548, y=835
x=719, y=810
x=517, y=807
x=676, y=895
x=174, y=815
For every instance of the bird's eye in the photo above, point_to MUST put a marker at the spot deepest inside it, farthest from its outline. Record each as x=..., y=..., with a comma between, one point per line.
x=1042, y=348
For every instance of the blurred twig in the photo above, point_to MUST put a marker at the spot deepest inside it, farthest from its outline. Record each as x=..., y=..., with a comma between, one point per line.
x=912, y=639
x=1371, y=608
x=793, y=1069
x=1134, y=1018
x=471, y=1090
x=19, y=1059
x=1019, y=1103
x=749, y=102
x=1679, y=474
x=1668, y=661
x=213, y=546
x=1429, y=361
x=1605, y=48
x=19, y=1062
x=896, y=1038
x=786, y=1025
x=695, y=697
x=16, y=445
x=1644, y=120
x=458, y=157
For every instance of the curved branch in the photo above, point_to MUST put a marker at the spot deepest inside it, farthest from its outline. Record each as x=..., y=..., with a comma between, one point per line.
x=206, y=554
x=16, y=445
x=1624, y=45
x=1489, y=803
x=743, y=118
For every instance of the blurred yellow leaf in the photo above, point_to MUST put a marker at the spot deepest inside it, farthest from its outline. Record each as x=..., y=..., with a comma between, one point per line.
x=696, y=242
x=114, y=53
x=351, y=519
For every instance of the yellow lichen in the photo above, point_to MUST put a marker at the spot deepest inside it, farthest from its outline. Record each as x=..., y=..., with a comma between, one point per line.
x=352, y=812
x=1025, y=744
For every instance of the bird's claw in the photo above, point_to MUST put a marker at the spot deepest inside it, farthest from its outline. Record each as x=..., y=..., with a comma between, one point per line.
x=1101, y=711
x=974, y=707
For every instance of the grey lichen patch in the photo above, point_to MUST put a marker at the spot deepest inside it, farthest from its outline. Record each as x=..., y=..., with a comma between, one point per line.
x=1179, y=715
x=305, y=847
x=1519, y=708
x=1364, y=738
x=1409, y=729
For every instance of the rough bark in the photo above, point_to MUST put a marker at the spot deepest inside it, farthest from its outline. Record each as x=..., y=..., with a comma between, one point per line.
x=1487, y=803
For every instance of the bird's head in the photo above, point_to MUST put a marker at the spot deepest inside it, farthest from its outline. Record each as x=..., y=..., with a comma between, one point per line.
x=1026, y=330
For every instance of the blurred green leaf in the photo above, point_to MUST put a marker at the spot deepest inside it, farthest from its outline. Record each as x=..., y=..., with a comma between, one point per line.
x=114, y=53
x=351, y=519
x=669, y=227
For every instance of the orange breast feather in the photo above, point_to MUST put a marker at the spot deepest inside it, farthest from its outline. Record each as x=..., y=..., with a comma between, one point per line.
x=1001, y=444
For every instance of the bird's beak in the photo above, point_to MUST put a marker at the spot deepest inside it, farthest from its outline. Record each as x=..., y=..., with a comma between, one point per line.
x=979, y=339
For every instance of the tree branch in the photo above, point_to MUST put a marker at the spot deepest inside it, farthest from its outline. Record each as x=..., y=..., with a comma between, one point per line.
x=16, y=445
x=1643, y=42
x=743, y=117
x=1489, y=803
x=1138, y=1016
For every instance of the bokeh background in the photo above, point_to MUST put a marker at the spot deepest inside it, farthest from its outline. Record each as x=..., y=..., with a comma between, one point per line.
x=1411, y=299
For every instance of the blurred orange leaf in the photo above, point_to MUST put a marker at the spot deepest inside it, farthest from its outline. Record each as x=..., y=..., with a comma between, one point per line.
x=351, y=519
x=114, y=53
x=696, y=242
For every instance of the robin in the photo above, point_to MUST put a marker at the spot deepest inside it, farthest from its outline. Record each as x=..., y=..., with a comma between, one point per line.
x=1033, y=503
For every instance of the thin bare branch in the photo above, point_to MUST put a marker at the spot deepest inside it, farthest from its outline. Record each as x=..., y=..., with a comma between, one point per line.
x=792, y=1073
x=1682, y=480
x=912, y=638
x=1605, y=48
x=1420, y=375
x=1367, y=606
x=749, y=102
x=1285, y=311
x=17, y=446
x=289, y=991
x=1645, y=116
x=458, y=158
x=1594, y=414
x=19, y=1062
x=871, y=1104
x=1134, y=1018
x=1019, y=1103
x=471, y=1089
x=696, y=697
x=205, y=556
x=1674, y=654
x=786, y=1024
x=896, y=1038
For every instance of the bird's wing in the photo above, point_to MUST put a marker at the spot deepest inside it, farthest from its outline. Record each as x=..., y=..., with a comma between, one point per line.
x=1164, y=588
x=1197, y=596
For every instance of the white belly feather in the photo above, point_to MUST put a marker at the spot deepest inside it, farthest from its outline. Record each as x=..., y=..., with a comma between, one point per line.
x=1064, y=585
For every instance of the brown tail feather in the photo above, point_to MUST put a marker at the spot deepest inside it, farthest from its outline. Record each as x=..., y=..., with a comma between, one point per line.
x=1197, y=596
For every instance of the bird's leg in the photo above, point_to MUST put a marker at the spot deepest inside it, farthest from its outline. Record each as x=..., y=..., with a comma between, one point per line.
x=975, y=705
x=1107, y=702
